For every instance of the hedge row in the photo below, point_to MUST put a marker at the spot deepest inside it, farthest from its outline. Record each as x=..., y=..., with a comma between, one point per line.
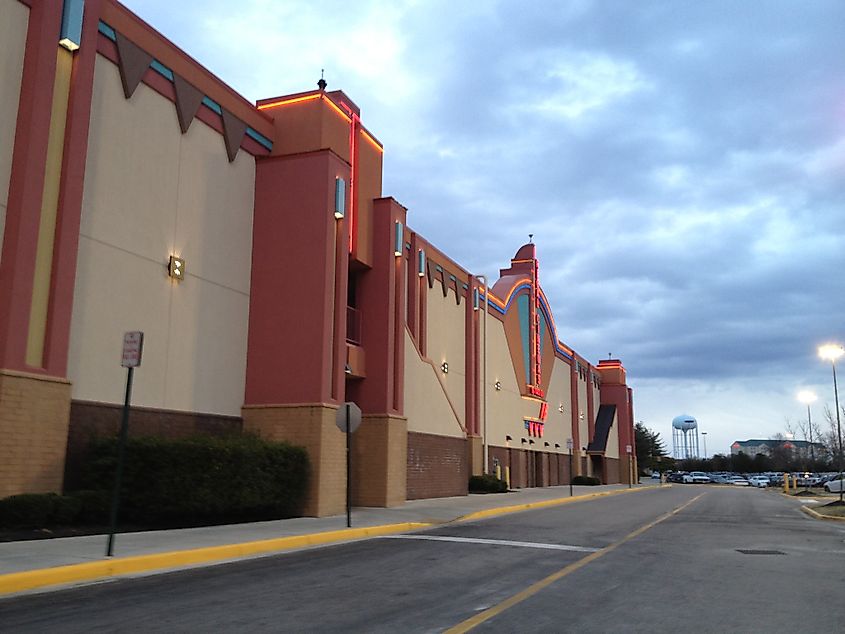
x=586, y=480
x=193, y=481
x=487, y=484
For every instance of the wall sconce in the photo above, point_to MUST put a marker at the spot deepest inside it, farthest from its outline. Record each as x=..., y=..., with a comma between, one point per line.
x=560, y=408
x=70, y=34
x=508, y=438
x=398, y=239
x=523, y=440
x=498, y=386
x=421, y=263
x=530, y=442
x=339, y=198
x=347, y=370
x=546, y=444
x=444, y=367
x=557, y=446
x=176, y=268
x=476, y=300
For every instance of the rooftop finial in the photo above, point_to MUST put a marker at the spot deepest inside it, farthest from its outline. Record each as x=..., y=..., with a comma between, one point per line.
x=322, y=83
x=531, y=238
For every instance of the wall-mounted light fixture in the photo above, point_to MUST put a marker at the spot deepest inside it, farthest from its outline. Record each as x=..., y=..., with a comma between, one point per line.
x=523, y=440
x=339, y=198
x=557, y=446
x=176, y=268
x=347, y=369
x=560, y=408
x=498, y=386
x=546, y=444
x=444, y=367
x=476, y=299
x=508, y=438
x=398, y=239
x=530, y=442
x=421, y=263
x=70, y=34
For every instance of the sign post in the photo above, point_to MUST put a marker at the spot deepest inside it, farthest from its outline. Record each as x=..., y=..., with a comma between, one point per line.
x=133, y=344
x=569, y=445
x=629, y=450
x=348, y=419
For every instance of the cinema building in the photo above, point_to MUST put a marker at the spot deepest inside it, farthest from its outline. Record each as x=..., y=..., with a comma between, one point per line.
x=272, y=278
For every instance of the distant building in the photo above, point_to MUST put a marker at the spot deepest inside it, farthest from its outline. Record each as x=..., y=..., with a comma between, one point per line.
x=802, y=448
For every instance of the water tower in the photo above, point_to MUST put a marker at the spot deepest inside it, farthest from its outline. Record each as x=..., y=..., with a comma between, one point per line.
x=684, y=437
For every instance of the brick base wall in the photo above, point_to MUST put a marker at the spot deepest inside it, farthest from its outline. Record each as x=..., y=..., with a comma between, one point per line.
x=531, y=468
x=312, y=427
x=379, y=456
x=438, y=466
x=612, y=467
x=34, y=413
x=89, y=419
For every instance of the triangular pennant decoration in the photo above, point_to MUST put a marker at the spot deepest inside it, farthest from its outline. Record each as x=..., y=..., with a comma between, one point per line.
x=188, y=100
x=133, y=63
x=233, y=133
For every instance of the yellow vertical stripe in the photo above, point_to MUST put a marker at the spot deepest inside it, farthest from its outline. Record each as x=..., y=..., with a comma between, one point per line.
x=49, y=212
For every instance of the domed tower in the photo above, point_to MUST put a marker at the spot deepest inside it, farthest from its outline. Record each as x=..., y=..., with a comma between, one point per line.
x=684, y=437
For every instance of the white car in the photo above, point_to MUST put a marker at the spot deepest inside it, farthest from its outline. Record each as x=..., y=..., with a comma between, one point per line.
x=699, y=477
x=759, y=481
x=737, y=481
x=834, y=485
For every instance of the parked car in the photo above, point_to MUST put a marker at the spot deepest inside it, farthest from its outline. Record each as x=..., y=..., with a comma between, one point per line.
x=675, y=477
x=759, y=481
x=718, y=478
x=738, y=481
x=834, y=485
x=699, y=477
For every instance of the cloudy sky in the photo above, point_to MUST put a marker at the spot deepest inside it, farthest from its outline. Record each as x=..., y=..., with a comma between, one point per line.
x=680, y=163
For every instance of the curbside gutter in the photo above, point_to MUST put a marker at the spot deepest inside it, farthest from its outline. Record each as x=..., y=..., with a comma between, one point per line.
x=821, y=516
x=168, y=561
x=74, y=573
x=503, y=510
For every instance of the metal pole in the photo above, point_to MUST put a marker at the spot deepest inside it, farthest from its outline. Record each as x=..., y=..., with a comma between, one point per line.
x=704, y=435
x=121, y=450
x=570, y=472
x=812, y=449
x=838, y=429
x=348, y=470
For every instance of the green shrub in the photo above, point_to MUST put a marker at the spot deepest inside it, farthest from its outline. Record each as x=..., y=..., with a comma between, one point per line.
x=38, y=510
x=93, y=506
x=200, y=479
x=586, y=480
x=487, y=484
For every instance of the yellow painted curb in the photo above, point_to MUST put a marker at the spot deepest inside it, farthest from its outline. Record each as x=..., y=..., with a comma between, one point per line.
x=821, y=516
x=31, y=579
x=502, y=510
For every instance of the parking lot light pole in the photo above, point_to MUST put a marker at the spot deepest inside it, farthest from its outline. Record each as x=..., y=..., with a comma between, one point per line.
x=831, y=352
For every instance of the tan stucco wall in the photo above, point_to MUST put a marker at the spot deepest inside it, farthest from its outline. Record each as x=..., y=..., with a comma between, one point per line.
x=14, y=20
x=506, y=408
x=446, y=341
x=612, y=450
x=151, y=192
x=426, y=404
x=559, y=424
x=583, y=413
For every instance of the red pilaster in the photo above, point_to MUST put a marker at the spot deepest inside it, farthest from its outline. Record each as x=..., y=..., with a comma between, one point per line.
x=414, y=289
x=474, y=358
x=576, y=431
x=299, y=284
x=591, y=408
x=26, y=183
x=382, y=325
x=66, y=245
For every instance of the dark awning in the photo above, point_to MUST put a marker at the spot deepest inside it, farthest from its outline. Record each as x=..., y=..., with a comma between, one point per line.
x=604, y=421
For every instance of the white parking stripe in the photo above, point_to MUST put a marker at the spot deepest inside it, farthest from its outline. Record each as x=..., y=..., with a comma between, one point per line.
x=497, y=542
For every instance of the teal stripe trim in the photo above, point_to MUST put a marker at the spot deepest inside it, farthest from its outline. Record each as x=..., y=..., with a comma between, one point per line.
x=106, y=30
x=259, y=138
x=213, y=105
x=162, y=70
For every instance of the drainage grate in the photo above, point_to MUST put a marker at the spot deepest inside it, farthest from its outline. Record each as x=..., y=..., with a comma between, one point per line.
x=746, y=551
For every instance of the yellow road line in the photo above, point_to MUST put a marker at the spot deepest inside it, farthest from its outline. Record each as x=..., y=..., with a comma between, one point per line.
x=530, y=591
x=74, y=573
x=547, y=503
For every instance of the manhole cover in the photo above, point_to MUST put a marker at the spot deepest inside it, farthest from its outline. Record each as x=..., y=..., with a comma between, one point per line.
x=746, y=551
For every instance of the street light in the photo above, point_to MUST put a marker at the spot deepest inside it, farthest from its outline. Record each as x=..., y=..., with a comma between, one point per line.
x=831, y=352
x=704, y=436
x=807, y=397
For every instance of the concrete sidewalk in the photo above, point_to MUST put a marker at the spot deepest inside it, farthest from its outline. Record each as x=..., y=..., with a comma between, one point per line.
x=34, y=564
